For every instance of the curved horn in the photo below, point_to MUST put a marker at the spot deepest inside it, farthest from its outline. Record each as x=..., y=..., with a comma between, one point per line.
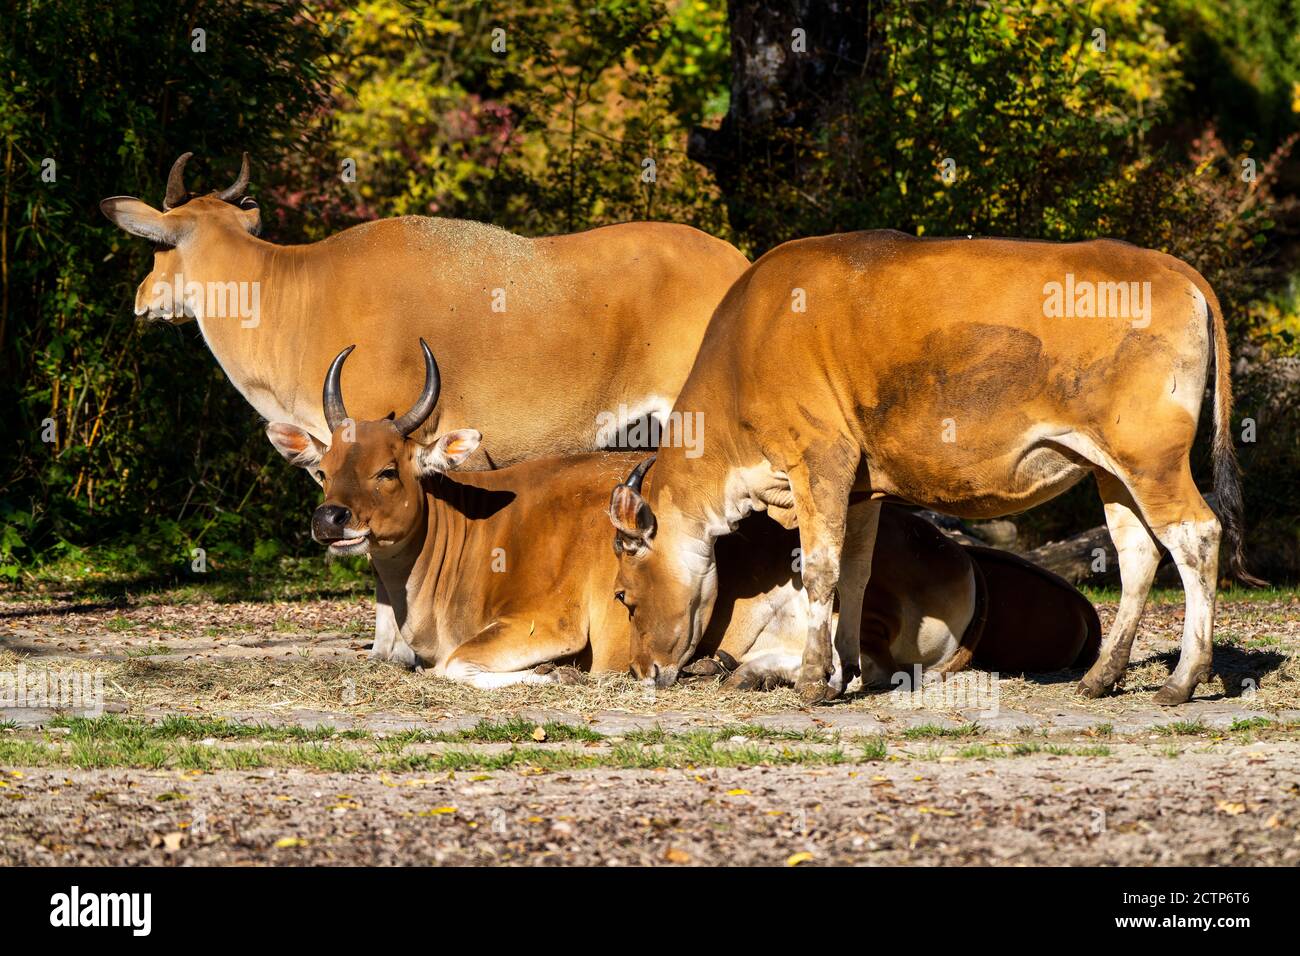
x=332, y=395
x=638, y=473
x=428, y=399
x=235, y=191
x=176, y=193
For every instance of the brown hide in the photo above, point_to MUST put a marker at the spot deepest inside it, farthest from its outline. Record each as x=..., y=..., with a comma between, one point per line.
x=591, y=321
x=952, y=374
x=1036, y=621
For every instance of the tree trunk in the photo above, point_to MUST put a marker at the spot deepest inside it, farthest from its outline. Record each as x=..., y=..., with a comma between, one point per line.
x=794, y=66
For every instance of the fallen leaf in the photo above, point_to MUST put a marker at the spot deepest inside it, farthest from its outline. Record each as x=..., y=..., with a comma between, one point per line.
x=172, y=841
x=738, y=792
x=285, y=843
x=1231, y=808
x=797, y=858
x=539, y=733
x=674, y=855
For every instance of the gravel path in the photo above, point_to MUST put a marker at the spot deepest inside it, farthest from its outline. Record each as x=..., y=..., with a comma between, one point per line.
x=1239, y=804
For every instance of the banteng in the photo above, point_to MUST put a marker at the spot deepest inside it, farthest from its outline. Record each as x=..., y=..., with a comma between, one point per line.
x=942, y=373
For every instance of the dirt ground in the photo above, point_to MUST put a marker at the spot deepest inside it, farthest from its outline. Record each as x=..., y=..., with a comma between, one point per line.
x=396, y=767
x=1239, y=806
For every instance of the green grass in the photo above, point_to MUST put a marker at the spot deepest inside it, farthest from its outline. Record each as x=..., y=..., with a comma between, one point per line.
x=875, y=749
x=1181, y=728
x=517, y=730
x=184, y=742
x=110, y=573
x=1028, y=749
x=935, y=732
x=1247, y=724
x=157, y=755
x=1235, y=594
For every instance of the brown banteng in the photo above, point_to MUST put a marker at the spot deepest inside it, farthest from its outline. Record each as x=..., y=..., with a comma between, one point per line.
x=540, y=335
x=845, y=370
x=494, y=573
x=547, y=338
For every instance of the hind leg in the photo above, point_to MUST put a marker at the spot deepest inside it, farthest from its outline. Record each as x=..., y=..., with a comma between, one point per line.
x=1181, y=520
x=1193, y=541
x=1138, y=557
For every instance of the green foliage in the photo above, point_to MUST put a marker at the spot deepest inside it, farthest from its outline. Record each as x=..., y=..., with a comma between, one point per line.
x=152, y=454
x=148, y=440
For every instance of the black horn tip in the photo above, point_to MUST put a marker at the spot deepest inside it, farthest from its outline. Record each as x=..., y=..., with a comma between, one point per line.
x=235, y=191
x=428, y=399
x=332, y=394
x=638, y=473
x=176, y=192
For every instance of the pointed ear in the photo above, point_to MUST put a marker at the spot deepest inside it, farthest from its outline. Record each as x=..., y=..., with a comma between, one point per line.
x=295, y=444
x=449, y=452
x=141, y=219
x=631, y=515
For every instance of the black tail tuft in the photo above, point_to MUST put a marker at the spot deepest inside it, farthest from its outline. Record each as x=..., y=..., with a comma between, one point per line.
x=1227, y=492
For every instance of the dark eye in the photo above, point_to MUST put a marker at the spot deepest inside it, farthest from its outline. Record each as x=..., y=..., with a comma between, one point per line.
x=621, y=598
x=388, y=474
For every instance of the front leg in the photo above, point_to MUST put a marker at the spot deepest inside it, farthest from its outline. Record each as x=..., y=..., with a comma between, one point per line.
x=507, y=652
x=388, y=644
x=821, y=483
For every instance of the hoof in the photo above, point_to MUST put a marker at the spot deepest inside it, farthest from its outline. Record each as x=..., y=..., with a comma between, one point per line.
x=1092, y=689
x=815, y=692
x=705, y=667
x=1172, y=695
x=746, y=677
x=740, y=681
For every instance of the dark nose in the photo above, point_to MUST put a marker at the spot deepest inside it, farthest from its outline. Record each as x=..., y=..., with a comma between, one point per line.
x=330, y=522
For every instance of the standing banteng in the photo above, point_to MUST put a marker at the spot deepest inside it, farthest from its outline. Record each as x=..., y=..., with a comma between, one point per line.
x=541, y=336
x=847, y=370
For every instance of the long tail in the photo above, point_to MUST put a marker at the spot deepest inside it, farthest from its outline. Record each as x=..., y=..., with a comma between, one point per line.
x=1227, y=473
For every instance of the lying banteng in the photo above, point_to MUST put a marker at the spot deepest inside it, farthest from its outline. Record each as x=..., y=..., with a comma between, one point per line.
x=1019, y=617
x=495, y=573
x=953, y=374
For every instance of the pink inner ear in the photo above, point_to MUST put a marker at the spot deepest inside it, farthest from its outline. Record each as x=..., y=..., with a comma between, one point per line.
x=293, y=439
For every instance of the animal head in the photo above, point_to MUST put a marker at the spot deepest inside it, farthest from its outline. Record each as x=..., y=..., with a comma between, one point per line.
x=179, y=231
x=666, y=579
x=371, y=471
